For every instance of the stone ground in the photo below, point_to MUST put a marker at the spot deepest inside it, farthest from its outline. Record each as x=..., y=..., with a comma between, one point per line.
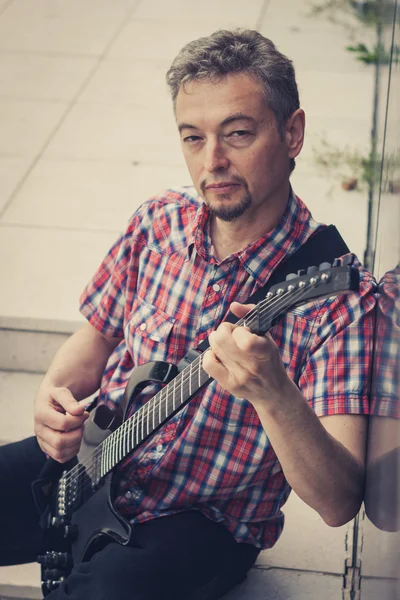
x=86, y=135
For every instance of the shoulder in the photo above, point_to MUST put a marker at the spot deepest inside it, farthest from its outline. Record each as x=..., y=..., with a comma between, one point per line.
x=168, y=215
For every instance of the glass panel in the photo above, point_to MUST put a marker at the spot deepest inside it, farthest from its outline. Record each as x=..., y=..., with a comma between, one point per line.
x=380, y=555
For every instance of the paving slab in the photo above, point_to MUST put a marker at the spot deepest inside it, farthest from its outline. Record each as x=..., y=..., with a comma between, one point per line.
x=384, y=589
x=141, y=79
x=71, y=194
x=75, y=27
x=216, y=13
x=45, y=271
x=153, y=39
x=26, y=125
x=12, y=171
x=46, y=78
x=280, y=584
x=105, y=132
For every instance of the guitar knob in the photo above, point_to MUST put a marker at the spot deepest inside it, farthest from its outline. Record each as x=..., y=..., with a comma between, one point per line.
x=311, y=270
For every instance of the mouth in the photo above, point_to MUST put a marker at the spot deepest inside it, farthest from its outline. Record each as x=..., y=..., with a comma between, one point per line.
x=222, y=188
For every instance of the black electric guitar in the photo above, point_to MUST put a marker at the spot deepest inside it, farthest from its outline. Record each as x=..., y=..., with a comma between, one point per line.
x=76, y=498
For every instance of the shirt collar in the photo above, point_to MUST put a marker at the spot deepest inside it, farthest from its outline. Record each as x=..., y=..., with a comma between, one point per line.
x=260, y=258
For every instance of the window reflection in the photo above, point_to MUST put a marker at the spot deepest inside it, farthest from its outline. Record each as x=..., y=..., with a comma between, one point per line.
x=382, y=498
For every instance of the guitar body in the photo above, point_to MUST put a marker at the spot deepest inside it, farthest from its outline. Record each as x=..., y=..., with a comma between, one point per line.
x=76, y=498
x=77, y=537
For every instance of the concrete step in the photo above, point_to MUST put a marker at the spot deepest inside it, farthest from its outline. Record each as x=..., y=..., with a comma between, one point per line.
x=29, y=349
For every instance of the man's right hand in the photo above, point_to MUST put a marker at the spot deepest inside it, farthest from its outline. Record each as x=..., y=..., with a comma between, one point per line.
x=59, y=420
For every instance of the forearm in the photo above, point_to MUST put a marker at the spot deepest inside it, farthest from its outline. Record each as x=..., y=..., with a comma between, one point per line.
x=80, y=362
x=317, y=466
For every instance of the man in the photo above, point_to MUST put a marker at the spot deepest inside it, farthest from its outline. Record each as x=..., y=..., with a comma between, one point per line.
x=286, y=409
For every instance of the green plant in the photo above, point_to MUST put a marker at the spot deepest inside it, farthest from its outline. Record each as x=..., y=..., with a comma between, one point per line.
x=354, y=17
x=377, y=55
x=347, y=165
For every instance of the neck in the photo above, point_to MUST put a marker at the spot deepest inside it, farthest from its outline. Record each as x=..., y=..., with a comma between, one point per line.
x=229, y=237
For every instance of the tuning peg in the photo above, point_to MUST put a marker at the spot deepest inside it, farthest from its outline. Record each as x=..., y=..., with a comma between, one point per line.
x=291, y=276
x=324, y=265
x=301, y=272
x=337, y=262
x=348, y=260
x=311, y=270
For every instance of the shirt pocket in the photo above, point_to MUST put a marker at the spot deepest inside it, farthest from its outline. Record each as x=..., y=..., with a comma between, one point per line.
x=148, y=332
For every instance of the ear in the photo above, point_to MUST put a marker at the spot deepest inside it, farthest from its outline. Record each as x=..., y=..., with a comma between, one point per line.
x=294, y=132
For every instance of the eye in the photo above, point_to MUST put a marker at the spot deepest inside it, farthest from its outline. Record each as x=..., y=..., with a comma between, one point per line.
x=190, y=139
x=239, y=133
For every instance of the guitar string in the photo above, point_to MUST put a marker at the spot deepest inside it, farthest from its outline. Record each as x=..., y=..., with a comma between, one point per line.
x=250, y=319
x=74, y=473
x=139, y=416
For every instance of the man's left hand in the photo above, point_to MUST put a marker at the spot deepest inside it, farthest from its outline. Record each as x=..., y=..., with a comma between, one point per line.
x=245, y=364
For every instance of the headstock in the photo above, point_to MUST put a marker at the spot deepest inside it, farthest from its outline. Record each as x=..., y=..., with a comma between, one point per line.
x=321, y=281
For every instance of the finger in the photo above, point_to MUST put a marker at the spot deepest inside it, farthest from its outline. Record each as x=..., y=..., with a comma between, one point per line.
x=241, y=310
x=63, y=396
x=213, y=366
x=60, y=446
x=50, y=416
x=252, y=344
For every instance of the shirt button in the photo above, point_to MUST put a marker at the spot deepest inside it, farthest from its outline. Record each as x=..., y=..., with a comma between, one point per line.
x=216, y=287
x=159, y=447
x=128, y=494
x=143, y=327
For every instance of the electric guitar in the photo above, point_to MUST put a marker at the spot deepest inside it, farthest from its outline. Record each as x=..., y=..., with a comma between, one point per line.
x=76, y=497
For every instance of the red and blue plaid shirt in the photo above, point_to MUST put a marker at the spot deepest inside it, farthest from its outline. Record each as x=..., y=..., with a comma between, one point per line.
x=161, y=290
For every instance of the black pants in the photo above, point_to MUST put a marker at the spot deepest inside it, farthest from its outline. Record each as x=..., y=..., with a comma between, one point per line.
x=178, y=557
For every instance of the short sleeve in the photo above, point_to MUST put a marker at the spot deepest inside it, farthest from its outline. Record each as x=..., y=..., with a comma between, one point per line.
x=102, y=301
x=337, y=371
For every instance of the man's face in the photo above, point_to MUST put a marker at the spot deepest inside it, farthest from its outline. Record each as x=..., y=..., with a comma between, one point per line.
x=235, y=155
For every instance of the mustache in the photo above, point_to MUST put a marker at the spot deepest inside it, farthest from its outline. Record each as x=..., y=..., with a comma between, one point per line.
x=233, y=179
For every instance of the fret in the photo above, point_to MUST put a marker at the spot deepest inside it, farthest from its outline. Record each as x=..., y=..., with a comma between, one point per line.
x=154, y=413
x=120, y=439
x=132, y=427
x=126, y=430
x=135, y=429
x=148, y=417
x=182, y=386
x=174, y=394
x=116, y=446
x=103, y=462
x=190, y=379
x=199, y=364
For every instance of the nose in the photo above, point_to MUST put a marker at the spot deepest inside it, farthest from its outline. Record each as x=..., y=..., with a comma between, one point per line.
x=215, y=158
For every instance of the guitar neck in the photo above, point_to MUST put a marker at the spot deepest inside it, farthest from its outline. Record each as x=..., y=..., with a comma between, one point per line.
x=151, y=416
x=296, y=290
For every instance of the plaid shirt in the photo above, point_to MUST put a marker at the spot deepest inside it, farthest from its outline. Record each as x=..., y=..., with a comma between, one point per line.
x=162, y=290
x=386, y=377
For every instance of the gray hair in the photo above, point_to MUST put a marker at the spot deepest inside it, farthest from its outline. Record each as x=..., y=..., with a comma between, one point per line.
x=240, y=51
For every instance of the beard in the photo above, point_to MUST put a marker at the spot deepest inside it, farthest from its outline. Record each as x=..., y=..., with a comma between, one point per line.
x=231, y=210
